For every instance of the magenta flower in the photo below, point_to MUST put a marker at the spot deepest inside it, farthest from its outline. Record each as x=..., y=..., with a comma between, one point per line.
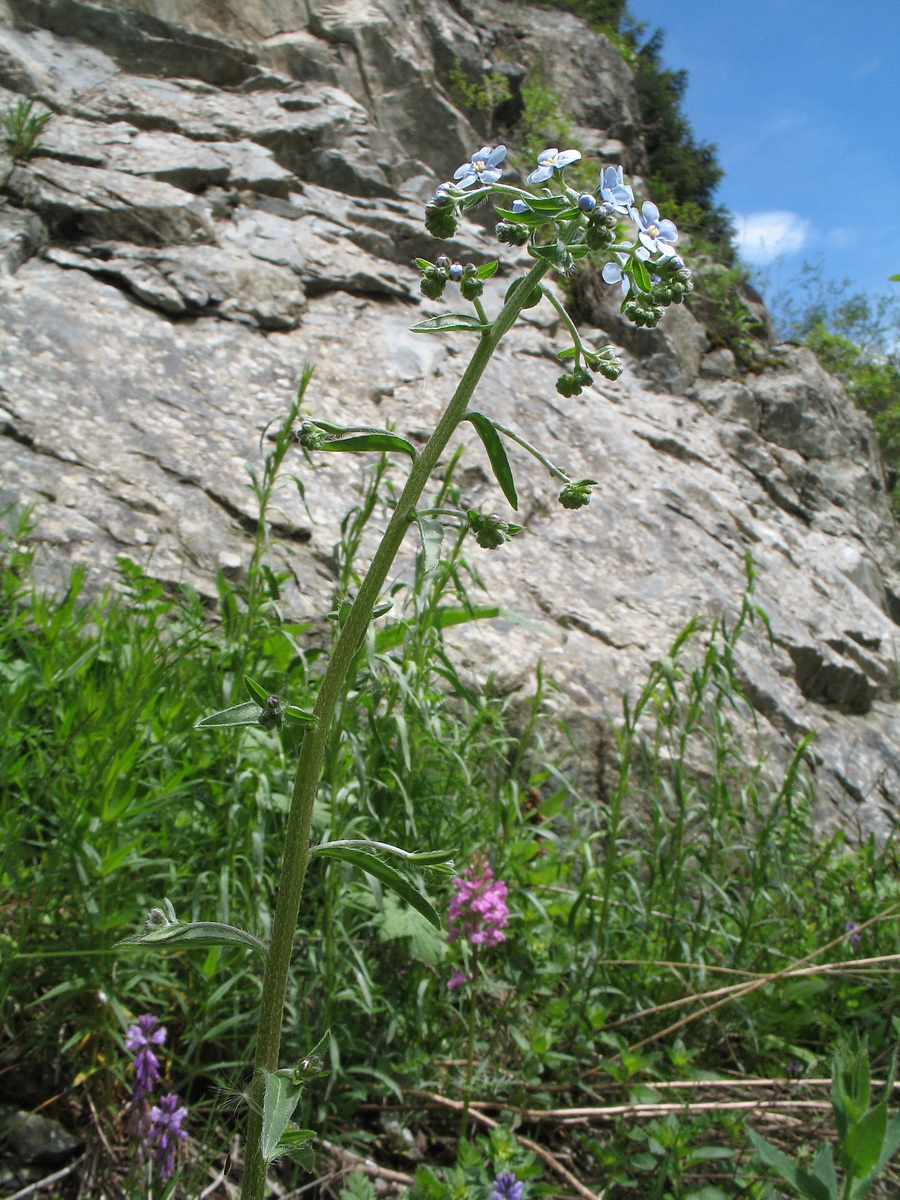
x=478, y=910
x=457, y=979
x=166, y=1132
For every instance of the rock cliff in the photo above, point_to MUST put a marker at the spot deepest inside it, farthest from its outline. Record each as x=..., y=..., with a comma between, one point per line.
x=228, y=191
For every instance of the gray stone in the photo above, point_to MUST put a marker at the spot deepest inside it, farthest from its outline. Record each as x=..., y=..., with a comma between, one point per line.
x=81, y=202
x=21, y=235
x=170, y=328
x=32, y=1137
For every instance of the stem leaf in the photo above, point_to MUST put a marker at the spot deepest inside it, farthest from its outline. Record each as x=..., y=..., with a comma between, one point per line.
x=280, y=1098
x=447, y=322
x=377, y=440
x=195, y=933
x=373, y=865
x=432, y=534
x=238, y=714
x=496, y=452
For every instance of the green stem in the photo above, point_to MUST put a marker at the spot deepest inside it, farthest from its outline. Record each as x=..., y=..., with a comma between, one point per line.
x=556, y=472
x=309, y=766
x=569, y=323
x=470, y=1046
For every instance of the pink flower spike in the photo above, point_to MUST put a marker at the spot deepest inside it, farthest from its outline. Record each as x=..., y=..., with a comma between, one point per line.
x=478, y=911
x=457, y=979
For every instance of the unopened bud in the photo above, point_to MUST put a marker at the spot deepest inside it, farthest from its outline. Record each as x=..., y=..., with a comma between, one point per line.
x=577, y=493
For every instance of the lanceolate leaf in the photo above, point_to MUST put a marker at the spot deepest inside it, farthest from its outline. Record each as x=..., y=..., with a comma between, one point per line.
x=256, y=689
x=239, y=714
x=486, y=270
x=640, y=275
x=447, y=322
x=496, y=452
x=195, y=933
x=358, y=442
x=807, y=1185
x=373, y=865
x=432, y=534
x=279, y=1101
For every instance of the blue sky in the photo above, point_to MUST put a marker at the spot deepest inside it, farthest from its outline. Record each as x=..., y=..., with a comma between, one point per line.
x=802, y=98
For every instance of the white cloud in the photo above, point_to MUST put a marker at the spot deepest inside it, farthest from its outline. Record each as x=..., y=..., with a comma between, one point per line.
x=763, y=237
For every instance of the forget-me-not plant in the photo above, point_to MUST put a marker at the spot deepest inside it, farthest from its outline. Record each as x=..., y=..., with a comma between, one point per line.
x=556, y=228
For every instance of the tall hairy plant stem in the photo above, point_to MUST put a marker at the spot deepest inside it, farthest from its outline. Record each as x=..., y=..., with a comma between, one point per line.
x=309, y=766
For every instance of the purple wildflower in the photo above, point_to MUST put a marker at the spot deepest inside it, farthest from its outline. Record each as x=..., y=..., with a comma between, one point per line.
x=457, y=979
x=142, y=1037
x=507, y=1187
x=478, y=911
x=853, y=935
x=166, y=1132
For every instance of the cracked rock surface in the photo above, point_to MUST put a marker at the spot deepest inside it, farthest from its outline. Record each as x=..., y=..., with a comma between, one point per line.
x=225, y=194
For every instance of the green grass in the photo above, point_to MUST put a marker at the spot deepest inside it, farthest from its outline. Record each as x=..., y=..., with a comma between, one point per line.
x=697, y=867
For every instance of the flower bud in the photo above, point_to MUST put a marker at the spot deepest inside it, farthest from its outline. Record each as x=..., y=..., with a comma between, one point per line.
x=310, y=436
x=571, y=385
x=577, y=493
x=490, y=532
x=470, y=285
x=272, y=715
x=440, y=220
x=455, y=272
x=442, y=262
x=512, y=235
x=433, y=283
x=587, y=203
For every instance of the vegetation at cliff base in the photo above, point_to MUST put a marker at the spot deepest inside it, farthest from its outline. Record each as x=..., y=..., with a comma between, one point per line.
x=668, y=926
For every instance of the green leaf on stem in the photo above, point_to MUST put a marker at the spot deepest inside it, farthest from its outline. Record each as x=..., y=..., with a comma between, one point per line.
x=382, y=440
x=299, y=714
x=640, y=275
x=556, y=254
x=256, y=689
x=280, y=1099
x=238, y=714
x=807, y=1185
x=861, y=1148
x=432, y=534
x=384, y=872
x=486, y=270
x=447, y=322
x=195, y=933
x=496, y=452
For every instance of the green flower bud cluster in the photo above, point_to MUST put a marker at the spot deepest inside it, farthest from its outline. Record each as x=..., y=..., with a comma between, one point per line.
x=441, y=218
x=310, y=436
x=490, y=532
x=604, y=361
x=674, y=282
x=642, y=309
x=601, y=229
x=571, y=385
x=577, y=493
x=436, y=275
x=272, y=716
x=512, y=234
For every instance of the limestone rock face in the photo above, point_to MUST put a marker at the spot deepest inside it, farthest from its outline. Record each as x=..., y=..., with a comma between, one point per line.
x=227, y=192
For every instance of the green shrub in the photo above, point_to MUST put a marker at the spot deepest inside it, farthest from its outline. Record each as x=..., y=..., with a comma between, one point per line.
x=22, y=128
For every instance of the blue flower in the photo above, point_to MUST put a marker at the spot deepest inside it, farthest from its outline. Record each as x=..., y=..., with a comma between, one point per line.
x=550, y=160
x=519, y=206
x=507, y=1187
x=482, y=168
x=657, y=236
x=613, y=273
x=615, y=191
